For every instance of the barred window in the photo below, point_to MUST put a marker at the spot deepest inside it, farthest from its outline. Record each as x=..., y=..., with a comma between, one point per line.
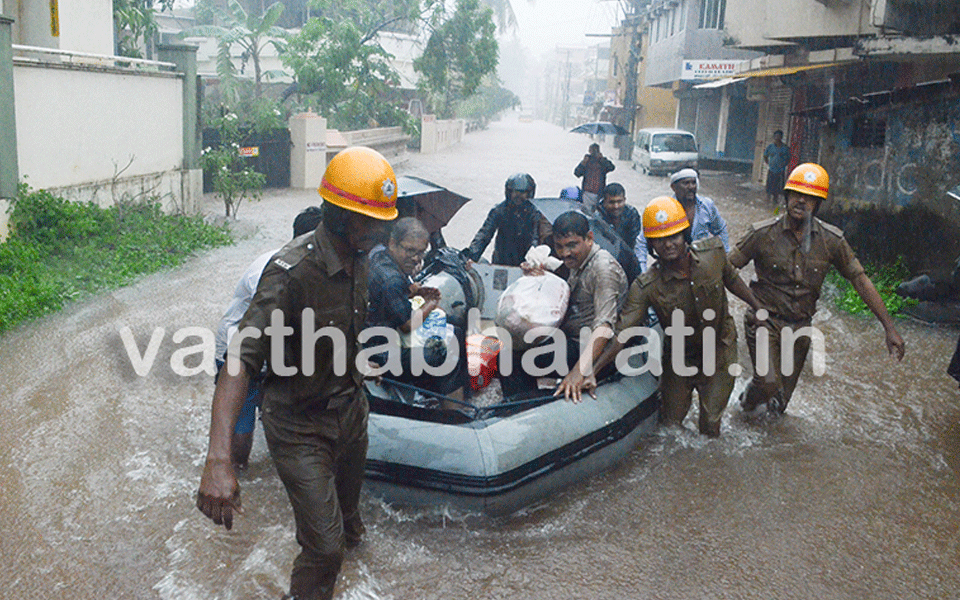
x=868, y=132
x=711, y=14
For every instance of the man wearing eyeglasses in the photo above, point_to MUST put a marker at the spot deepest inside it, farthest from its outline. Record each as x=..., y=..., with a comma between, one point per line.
x=390, y=289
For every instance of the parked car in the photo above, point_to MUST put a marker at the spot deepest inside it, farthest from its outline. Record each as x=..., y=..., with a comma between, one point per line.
x=663, y=151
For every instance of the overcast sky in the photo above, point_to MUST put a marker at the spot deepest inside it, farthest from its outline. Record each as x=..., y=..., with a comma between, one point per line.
x=544, y=24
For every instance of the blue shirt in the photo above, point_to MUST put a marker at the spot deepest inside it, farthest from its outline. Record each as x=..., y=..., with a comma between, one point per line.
x=778, y=157
x=706, y=222
x=389, y=291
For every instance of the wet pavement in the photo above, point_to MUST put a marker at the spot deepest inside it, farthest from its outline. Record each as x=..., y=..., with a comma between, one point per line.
x=853, y=494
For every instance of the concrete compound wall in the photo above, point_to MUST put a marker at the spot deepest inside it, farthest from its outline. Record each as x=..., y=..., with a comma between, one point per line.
x=313, y=146
x=892, y=200
x=76, y=124
x=919, y=161
x=436, y=135
x=103, y=134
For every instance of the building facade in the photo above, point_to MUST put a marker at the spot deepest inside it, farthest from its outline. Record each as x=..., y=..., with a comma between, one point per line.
x=688, y=50
x=88, y=125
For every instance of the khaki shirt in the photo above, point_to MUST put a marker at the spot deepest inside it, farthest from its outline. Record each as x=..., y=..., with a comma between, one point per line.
x=308, y=274
x=596, y=292
x=665, y=291
x=788, y=278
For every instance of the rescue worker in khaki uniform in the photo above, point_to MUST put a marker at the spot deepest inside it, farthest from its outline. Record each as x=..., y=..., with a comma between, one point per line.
x=687, y=285
x=314, y=409
x=792, y=254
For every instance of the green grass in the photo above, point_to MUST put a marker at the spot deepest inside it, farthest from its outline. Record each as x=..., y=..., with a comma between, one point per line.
x=885, y=278
x=60, y=250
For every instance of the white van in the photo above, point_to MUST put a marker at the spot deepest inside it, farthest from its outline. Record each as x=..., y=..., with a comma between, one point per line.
x=665, y=151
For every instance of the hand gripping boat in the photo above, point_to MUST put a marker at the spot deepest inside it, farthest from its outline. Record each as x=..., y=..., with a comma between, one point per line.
x=496, y=459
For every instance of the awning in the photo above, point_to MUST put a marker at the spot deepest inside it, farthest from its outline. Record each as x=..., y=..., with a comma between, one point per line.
x=719, y=83
x=777, y=71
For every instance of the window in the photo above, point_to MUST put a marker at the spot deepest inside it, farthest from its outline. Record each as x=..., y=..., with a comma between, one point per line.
x=674, y=142
x=711, y=14
x=868, y=132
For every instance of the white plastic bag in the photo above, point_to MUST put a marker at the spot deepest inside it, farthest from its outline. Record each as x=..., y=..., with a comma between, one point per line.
x=539, y=256
x=532, y=301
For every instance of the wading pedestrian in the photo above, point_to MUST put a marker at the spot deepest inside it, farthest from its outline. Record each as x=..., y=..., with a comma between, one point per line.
x=792, y=254
x=314, y=409
x=686, y=288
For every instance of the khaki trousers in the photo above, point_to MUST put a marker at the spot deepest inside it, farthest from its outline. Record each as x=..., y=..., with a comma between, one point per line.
x=775, y=388
x=676, y=392
x=320, y=458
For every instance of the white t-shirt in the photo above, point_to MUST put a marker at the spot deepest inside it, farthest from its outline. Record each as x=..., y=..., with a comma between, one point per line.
x=246, y=288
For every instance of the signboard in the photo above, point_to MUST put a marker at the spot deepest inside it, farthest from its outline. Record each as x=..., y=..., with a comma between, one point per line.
x=709, y=69
x=316, y=146
x=250, y=151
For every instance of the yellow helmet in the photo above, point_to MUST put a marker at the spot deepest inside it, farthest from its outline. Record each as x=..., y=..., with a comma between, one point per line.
x=809, y=178
x=361, y=180
x=664, y=217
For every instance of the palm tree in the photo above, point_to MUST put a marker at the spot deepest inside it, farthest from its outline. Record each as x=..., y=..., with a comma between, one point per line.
x=250, y=32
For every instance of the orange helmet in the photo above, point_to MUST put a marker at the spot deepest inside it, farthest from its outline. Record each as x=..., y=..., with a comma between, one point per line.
x=809, y=178
x=664, y=217
x=361, y=180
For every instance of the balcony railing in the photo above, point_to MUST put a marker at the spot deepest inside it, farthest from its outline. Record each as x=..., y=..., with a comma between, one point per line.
x=26, y=54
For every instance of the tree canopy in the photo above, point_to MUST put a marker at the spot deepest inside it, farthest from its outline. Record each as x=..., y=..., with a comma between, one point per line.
x=342, y=75
x=250, y=31
x=339, y=67
x=460, y=52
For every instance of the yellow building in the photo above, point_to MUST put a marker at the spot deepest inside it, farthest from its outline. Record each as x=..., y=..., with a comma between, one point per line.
x=654, y=106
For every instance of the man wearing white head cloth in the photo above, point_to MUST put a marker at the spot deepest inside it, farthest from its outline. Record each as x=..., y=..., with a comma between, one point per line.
x=702, y=213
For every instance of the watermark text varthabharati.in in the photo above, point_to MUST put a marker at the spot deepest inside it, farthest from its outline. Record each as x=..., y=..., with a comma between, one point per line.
x=193, y=358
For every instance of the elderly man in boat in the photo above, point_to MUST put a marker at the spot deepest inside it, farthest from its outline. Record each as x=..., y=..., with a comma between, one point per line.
x=598, y=287
x=397, y=303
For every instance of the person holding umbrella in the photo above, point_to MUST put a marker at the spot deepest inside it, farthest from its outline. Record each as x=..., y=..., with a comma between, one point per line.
x=593, y=169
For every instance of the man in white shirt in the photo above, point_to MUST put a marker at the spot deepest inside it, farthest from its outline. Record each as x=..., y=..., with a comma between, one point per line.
x=242, y=441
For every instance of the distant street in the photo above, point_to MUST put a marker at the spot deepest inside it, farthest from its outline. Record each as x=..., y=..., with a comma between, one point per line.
x=852, y=495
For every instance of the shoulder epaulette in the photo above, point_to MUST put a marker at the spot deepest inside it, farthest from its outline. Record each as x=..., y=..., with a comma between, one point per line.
x=647, y=277
x=764, y=223
x=709, y=243
x=290, y=255
x=831, y=228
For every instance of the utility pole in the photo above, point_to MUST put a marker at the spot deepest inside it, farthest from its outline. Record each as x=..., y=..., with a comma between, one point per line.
x=566, y=93
x=634, y=23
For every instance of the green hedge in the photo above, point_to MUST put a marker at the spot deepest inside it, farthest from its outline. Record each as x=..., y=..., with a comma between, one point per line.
x=59, y=250
x=885, y=278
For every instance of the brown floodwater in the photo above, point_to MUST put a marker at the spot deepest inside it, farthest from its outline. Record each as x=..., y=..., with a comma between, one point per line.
x=852, y=494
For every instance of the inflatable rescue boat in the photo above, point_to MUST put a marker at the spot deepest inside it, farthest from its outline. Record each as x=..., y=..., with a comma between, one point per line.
x=500, y=458
x=496, y=458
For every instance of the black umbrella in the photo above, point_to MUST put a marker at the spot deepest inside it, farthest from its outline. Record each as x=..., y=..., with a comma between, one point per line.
x=600, y=127
x=432, y=204
x=603, y=233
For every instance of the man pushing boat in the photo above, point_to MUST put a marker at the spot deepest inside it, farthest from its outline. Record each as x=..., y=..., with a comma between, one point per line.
x=686, y=288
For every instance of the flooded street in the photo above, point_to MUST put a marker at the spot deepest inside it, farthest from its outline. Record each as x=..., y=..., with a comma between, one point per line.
x=852, y=495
